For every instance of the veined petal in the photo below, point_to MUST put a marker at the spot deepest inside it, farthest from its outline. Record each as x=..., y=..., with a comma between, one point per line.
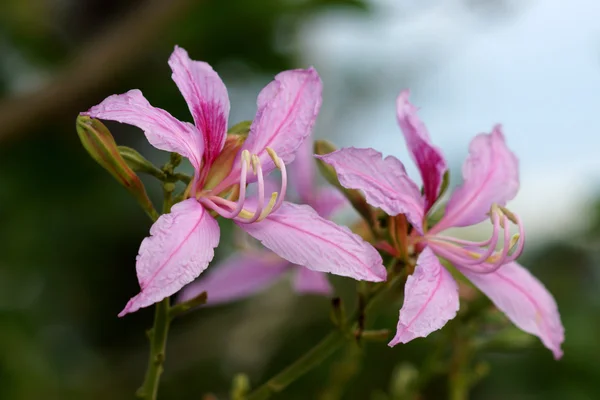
x=206, y=96
x=525, y=301
x=384, y=181
x=327, y=201
x=287, y=110
x=302, y=172
x=491, y=175
x=162, y=130
x=430, y=299
x=311, y=282
x=298, y=234
x=239, y=276
x=180, y=247
x=429, y=158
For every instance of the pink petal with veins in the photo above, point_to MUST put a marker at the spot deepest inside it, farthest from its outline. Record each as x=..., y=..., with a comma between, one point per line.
x=206, y=96
x=162, y=130
x=298, y=234
x=383, y=181
x=430, y=299
x=287, y=110
x=180, y=247
x=429, y=158
x=490, y=174
x=525, y=301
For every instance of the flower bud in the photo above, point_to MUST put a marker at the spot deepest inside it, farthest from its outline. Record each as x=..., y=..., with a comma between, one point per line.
x=224, y=162
x=354, y=196
x=99, y=143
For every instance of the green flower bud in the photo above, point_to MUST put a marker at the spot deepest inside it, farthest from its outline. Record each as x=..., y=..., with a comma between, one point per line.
x=101, y=146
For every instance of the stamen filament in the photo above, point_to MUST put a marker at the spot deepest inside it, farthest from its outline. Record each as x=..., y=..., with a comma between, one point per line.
x=281, y=165
x=257, y=168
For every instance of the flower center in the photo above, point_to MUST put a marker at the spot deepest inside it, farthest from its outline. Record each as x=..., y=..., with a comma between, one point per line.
x=482, y=257
x=236, y=210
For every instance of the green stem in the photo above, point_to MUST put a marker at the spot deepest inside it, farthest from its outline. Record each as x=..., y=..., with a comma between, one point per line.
x=308, y=361
x=158, y=341
x=326, y=347
x=459, y=379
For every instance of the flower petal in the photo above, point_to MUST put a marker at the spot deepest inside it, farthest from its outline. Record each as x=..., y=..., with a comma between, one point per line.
x=384, y=181
x=327, y=201
x=491, y=175
x=287, y=110
x=180, y=247
x=302, y=172
x=206, y=96
x=428, y=157
x=239, y=276
x=525, y=301
x=430, y=299
x=298, y=234
x=311, y=282
x=162, y=130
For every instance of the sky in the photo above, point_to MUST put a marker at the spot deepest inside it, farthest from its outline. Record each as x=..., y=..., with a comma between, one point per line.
x=533, y=66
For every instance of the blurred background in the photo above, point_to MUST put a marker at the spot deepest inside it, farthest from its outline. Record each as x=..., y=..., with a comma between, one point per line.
x=70, y=233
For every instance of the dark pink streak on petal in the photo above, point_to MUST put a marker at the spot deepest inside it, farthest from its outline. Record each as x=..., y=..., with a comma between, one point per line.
x=207, y=98
x=429, y=158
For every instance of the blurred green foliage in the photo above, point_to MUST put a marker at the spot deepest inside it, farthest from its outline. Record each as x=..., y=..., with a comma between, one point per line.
x=70, y=236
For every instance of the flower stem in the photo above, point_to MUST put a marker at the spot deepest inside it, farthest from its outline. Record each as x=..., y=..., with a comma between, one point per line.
x=326, y=347
x=158, y=341
x=308, y=361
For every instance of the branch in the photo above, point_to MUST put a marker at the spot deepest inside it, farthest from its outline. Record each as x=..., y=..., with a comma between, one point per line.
x=96, y=65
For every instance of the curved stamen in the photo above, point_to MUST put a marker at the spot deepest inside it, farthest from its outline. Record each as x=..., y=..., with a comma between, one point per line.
x=474, y=258
x=520, y=243
x=495, y=265
x=457, y=241
x=484, y=263
x=281, y=165
x=257, y=168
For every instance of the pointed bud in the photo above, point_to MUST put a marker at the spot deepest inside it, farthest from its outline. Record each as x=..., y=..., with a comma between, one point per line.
x=224, y=162
x=242, y=128
x=354, y=196
x=138, y=163
x=99, y=143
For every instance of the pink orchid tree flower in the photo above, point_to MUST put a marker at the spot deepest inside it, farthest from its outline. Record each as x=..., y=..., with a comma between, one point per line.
x=252, y=269
x=490, y=180
x=182, y=242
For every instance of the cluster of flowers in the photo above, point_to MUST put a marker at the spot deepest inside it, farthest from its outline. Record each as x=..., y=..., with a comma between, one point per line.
x=301, y=238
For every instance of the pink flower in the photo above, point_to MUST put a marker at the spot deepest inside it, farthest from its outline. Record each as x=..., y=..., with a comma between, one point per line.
x=253, y=270
x=182, y=242
x=491, y=179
